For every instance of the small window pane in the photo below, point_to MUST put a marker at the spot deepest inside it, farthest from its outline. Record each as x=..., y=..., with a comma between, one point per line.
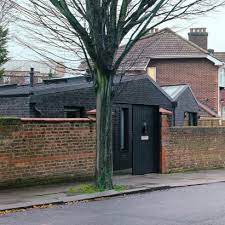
x=152, y=72
x=193, y=119
x=124, y=129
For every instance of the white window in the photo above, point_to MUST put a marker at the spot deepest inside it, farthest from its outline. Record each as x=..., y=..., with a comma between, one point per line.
x=222, y=77
x=40, y=80
x=6, y=80
x=26, y=80
x=151, y=71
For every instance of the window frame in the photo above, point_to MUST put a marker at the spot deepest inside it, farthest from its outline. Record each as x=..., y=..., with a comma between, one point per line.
x=192, y=119
x=75, y=109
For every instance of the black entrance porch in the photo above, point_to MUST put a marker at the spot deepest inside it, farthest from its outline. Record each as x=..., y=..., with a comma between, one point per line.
x=136, y=138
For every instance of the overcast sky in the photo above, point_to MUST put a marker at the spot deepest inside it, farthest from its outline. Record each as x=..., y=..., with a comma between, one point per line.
x=215, y=24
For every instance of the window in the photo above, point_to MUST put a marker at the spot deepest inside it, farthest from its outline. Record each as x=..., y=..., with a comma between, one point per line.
x=222, y=77
x=6, y=80
x=73, y=112
x=26, y=80
x=124, y=129
x=151, y=71
x=40, y=80
x=192, y=119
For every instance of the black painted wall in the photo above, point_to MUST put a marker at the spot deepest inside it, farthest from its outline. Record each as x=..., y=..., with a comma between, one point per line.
x=52, y=105
x=137, y=91
x=185, y=103
x=15, y=106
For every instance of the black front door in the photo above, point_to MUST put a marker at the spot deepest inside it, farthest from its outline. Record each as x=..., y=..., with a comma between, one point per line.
x=145, y=139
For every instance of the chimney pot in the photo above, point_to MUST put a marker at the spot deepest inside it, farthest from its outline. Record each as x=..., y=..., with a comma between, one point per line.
x=31, y=77
x=154, y=30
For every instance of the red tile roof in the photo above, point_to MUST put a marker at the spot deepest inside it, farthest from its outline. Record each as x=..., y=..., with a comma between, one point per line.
x=220, y=56
x=163, y=44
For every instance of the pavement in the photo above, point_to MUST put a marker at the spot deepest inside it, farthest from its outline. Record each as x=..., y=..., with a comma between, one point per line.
x=58, y=194
x=192, y=205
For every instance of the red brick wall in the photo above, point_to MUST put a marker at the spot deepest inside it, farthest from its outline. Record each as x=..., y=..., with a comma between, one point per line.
x=192, y=148
x=165, y=123
x=46, y=150
x=200, y=74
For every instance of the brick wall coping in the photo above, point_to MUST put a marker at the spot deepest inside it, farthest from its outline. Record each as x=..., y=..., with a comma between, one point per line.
x=198, y=128
x=92, y=112
x=59, y=120
x=165, y=112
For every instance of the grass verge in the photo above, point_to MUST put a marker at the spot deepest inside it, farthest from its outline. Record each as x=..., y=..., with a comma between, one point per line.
x=90, y=189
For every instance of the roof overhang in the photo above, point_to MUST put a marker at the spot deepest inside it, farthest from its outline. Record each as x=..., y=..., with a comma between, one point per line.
x=178, y=56
x=209, y=57
x=215, y=61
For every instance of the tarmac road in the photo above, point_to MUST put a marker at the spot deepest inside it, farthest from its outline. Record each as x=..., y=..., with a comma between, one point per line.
x=198, y=205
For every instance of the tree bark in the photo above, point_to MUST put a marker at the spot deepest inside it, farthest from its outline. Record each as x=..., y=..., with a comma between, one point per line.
x=104, y=165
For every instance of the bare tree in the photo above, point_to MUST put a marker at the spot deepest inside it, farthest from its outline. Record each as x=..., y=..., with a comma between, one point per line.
x=6, y=12
x=95, y=29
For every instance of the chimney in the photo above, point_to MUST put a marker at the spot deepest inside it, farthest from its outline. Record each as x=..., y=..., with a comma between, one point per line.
x=31, y=77
x=154, y=30
x=199, y=36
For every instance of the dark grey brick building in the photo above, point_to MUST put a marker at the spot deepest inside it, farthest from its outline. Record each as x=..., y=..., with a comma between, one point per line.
x=72, y=97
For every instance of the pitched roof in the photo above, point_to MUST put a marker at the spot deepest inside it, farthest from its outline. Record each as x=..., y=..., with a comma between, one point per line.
x=163, y=44
x=50, y=86
x=220, y=56
x=174, y=91
x=61, y=84
x=25, y=65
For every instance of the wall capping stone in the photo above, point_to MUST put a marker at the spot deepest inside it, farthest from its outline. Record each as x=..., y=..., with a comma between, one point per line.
x=59, y=120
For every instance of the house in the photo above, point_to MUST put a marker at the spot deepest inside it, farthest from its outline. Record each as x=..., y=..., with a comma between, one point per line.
x=170, y=59
x=137, y=103
x=17, y=71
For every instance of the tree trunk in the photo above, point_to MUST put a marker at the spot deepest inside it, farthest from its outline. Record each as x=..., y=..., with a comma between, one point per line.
x=104, y=166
